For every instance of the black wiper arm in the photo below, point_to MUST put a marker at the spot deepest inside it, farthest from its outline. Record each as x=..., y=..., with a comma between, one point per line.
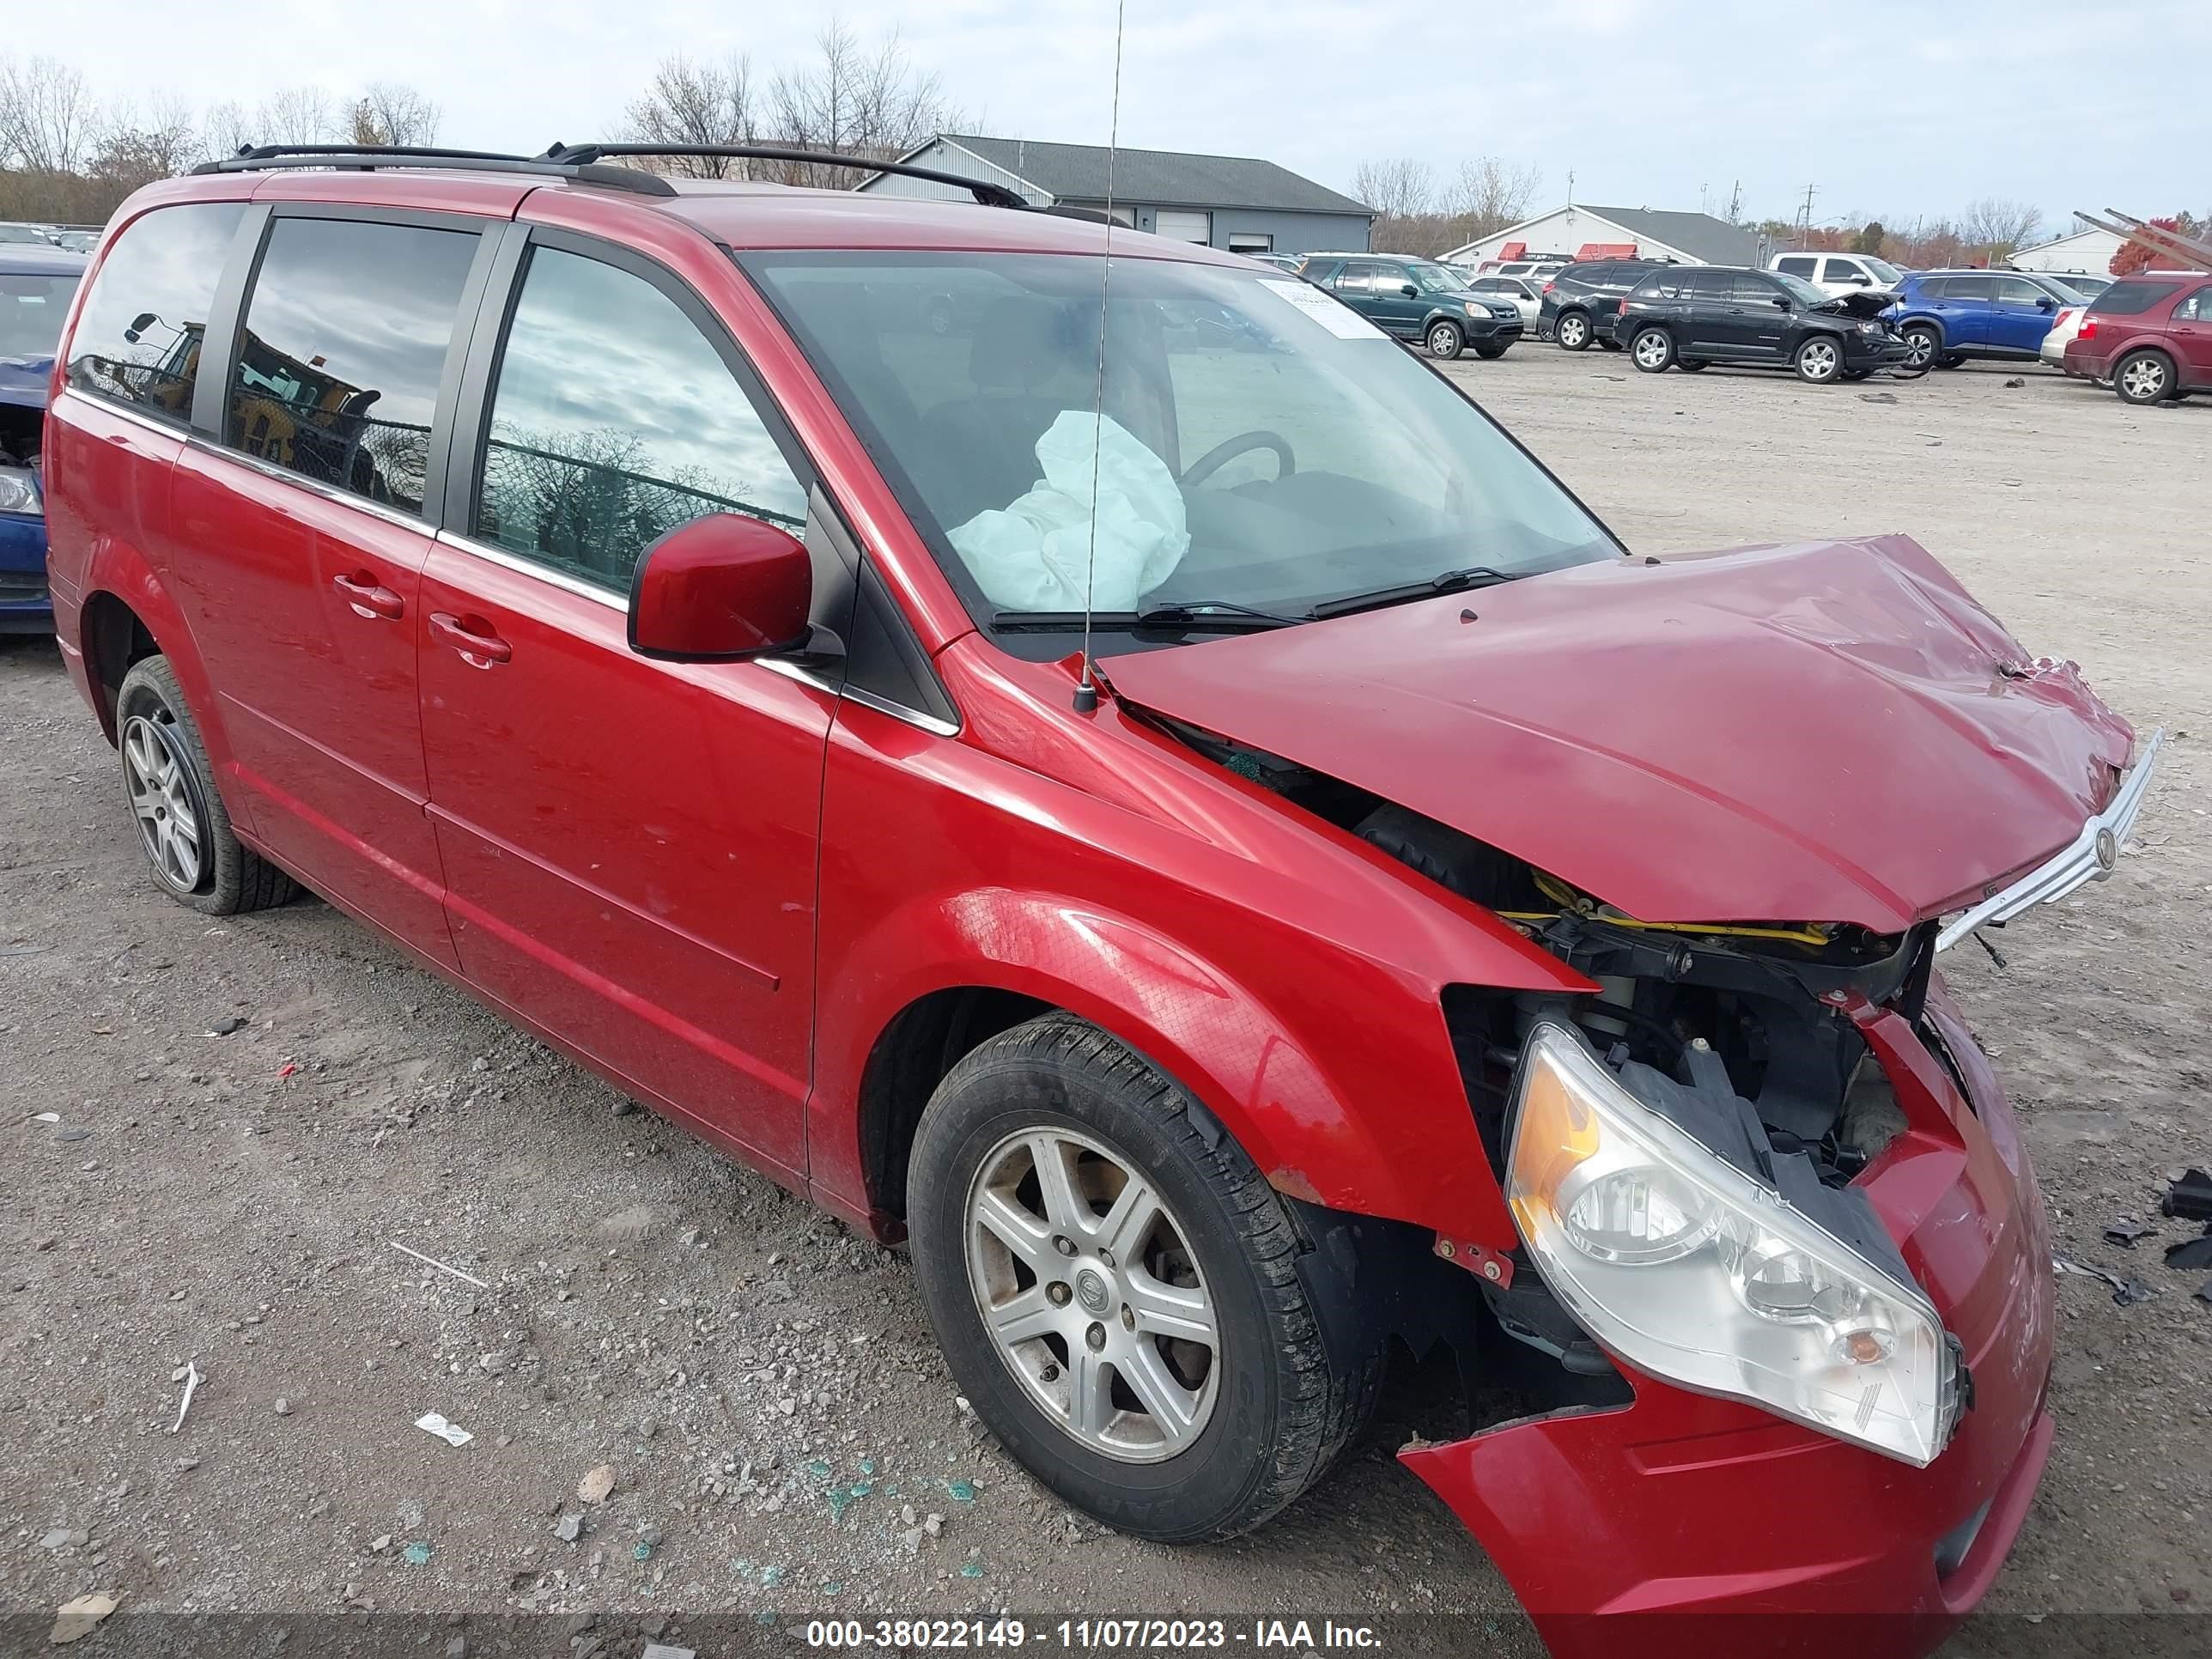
x=1451, y=581
x=1212, y=613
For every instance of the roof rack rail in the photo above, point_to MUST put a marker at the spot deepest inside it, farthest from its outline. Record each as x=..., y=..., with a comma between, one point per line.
x=982, y=190
x=366, y=158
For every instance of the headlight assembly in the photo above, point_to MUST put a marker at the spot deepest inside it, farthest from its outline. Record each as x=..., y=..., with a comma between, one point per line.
x=19, y=491
x=1691, y=1269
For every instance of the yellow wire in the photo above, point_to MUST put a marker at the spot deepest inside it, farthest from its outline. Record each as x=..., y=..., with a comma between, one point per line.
x=1568, y=899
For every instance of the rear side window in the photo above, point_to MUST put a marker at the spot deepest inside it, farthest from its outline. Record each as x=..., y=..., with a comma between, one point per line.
x=138, y=340
x=2131, y=299
x=1798, y=267
x=613, y=421
x=343, y=346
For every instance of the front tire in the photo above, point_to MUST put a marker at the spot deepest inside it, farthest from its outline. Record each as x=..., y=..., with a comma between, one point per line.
x=1114, y=1288
x=1923, y=344
x=1572, y=332
x=1820, y=360
x=196, y=856
x=1652, y=349
x=1445, y=341
x=1490, y=352
x=2144, y=377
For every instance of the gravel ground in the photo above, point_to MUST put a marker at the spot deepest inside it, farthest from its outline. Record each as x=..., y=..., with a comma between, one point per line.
x=782, y=1438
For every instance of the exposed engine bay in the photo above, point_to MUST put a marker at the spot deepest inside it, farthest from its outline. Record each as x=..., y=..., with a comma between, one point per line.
x=20, y=429
x=1735, y=1031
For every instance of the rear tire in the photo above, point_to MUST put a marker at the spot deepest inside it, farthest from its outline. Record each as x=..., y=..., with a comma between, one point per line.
x=194, y=856
x=1445, y=341
x=1274, y=1406
x=2144, y=377
x=1571, y=330
x=1652, y=349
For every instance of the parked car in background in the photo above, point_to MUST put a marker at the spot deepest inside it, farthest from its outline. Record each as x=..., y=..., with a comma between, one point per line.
x=568, y=577
x=1838, y=273
x=1418, y=300
x=2151, y=337
x=1688, y=316
x=1581, y=303
x=12, y=234
x=2063, y=327
x=77, y=241
x=1289, y=262
x=1517, y=291
x=1949, y=316
x=36, y=282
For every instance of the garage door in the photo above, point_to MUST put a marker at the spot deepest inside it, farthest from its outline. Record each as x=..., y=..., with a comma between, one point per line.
x=1183, y=227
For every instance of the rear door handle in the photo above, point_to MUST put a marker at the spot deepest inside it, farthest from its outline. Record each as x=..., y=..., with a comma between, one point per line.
x=369, y=597
x=478, y=649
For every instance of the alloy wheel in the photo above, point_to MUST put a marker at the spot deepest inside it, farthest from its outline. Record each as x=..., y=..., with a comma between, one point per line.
x=1820, y=360
x=1572, y=332
x=2144, y=380
x=1089, y=1289
x=1651, y=350
x=159, y=785
x=1919, y=347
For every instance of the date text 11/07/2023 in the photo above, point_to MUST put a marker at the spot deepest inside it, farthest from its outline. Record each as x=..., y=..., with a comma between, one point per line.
x=1087, y=1635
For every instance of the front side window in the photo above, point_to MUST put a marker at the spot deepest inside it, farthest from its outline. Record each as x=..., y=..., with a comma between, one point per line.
x=1260, y=448
x=614, y=420
x=344, y=343
x=2016, y=291
x=138, y=339
x=1972, y=288
x=1839, y=270
x=1436, y=279
x=2196, y=308
x=32, y=307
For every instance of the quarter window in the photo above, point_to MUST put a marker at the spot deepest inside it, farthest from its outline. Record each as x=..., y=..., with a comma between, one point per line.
x=343, y=346
x=138, y=339
x=613, y=421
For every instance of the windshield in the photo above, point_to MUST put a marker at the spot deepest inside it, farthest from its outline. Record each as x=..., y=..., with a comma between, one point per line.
x=1263, y=446
x=1436, y=279
x=32, y=307
x=1800, y=291
x=1884, y=272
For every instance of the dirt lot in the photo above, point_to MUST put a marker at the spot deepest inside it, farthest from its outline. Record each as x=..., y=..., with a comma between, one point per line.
x=785, y=1439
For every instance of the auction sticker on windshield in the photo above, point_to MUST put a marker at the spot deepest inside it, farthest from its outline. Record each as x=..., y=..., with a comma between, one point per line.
x=1338, y=320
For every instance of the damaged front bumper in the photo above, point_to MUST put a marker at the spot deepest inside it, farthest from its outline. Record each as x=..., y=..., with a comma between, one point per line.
x=1680, y=1522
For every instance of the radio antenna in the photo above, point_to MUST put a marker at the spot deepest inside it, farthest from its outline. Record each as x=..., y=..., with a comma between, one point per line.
x=1086, y=687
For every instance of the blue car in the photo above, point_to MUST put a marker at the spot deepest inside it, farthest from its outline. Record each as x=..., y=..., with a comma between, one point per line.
x=36, y=285
x=1948, y=316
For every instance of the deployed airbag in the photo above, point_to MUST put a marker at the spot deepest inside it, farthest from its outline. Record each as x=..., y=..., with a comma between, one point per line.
x=1037, y=553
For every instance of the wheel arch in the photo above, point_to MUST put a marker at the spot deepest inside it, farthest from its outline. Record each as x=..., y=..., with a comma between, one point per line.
x=114, y=637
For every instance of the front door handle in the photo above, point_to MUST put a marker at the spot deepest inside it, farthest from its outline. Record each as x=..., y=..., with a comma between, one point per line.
x=479, y=646
x=369, y=597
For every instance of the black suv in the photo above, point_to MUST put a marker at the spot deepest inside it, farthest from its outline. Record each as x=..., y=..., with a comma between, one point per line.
x=1693, y=315
x=1418, y=300
x=1580, y=302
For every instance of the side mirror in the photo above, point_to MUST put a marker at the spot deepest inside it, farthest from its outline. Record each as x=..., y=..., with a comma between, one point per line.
x=1409, y=291
x=2047, y=303
x=723, y=588
x=1782, y=302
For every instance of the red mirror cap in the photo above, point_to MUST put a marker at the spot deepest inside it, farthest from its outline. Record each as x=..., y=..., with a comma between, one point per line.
x=720, y=589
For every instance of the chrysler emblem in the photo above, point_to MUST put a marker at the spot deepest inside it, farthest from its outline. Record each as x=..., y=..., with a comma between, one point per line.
x=1090, y=1291
x=2108, y=852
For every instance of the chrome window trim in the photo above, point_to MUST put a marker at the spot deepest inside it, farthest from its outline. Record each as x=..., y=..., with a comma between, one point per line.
x=527, y=567
x=897, y=711
x=166, y=428
x=2091, y=856
x=315, y=487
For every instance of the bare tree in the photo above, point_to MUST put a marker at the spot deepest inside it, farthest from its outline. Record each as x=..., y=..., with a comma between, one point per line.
x=1996, y=226
x=225, y=128
x=688, y=103
x=297, y=115
x=391, y=113
x=1488, y=196
x=1400, y=189
x=135, y=149
x=46, y=116
x=857, y=100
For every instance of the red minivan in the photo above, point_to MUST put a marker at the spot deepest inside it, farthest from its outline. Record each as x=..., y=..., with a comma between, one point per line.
x=2149, y=336
x=1078, y=753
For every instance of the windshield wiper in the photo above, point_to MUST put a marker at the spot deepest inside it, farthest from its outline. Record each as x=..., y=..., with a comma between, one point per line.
x=1180, y=613
x=1451, y=581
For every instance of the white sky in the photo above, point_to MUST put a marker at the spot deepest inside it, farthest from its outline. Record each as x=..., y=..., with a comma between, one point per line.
x=1888, y=109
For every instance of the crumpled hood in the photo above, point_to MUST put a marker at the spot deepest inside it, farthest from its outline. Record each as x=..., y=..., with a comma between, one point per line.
x=1829, y=731
x=1863, y=302
x=24, y=381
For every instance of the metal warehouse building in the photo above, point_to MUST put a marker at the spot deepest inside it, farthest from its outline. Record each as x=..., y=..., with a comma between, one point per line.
x=1228, y=202
x=1607, y=233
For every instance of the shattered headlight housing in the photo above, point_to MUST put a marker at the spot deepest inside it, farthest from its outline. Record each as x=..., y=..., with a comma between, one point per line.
x=1690, y=1269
